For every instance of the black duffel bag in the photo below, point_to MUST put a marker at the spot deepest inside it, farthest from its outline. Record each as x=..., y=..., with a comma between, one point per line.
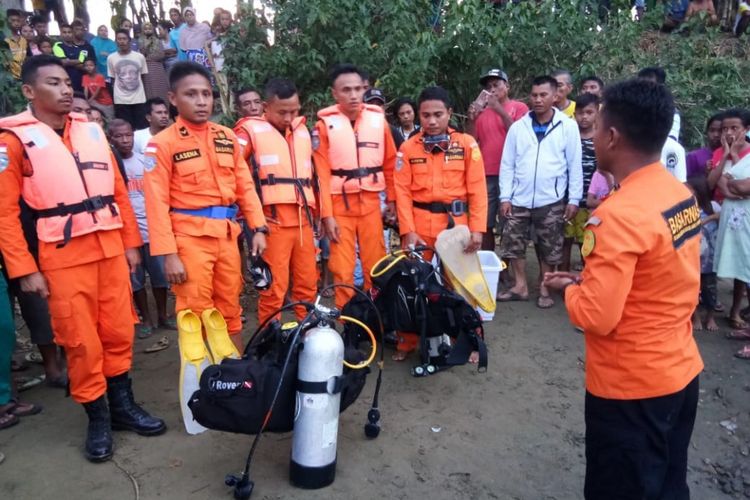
x=235, y=395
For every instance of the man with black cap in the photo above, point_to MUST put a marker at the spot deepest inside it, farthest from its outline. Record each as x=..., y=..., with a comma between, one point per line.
x=375, y=97
x=490, y=117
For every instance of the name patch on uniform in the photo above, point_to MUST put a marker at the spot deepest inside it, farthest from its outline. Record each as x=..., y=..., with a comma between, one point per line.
x=454, y=154
x=368, y=144
x=186, y=155
x=224, y=145
x=413, y=161
x=93, y=165
x=683, y=220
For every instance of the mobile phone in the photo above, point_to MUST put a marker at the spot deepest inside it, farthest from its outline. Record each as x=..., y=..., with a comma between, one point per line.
x=481, y=101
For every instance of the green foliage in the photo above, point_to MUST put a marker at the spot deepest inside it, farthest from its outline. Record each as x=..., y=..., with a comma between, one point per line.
x=396, y=42
x=11, y=99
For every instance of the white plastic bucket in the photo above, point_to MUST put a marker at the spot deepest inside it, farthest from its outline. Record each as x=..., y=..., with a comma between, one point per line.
x=491, y=267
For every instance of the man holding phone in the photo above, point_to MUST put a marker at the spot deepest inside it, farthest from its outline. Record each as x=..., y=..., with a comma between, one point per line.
x=490, y=117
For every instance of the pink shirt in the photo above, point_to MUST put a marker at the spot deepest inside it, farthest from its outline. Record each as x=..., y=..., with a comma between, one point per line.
x=490, y=134
x=599, y=186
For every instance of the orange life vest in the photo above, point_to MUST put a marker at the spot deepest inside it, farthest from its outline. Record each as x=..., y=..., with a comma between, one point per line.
x=283, y=166
x=71, y=193
x=355, y=156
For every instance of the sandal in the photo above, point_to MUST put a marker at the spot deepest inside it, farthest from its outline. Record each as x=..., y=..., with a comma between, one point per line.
x=8, y=420
x=34, y=357
x=743, y=353
x=544, y=302
x=511, y=297
x=20, y=409
x=144, y=331
x=160, y=345
x=24, y=383
x=739, y=335
x=737, y=324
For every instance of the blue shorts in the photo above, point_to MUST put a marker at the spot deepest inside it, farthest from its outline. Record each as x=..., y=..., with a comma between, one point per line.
x=155, y=268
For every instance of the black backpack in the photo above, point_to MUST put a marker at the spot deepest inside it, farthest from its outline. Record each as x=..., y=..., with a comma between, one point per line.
x=235, y=395
x=411, y=297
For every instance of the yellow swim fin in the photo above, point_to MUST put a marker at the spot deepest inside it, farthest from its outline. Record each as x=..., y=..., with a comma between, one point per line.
x=219, y=343
x=464, y=269
x=194, y=358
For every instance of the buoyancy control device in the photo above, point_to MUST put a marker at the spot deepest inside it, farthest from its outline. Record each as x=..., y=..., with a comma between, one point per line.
x=412, y=296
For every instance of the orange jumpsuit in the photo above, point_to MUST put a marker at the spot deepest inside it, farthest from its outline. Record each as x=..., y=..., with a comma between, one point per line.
x=640, y=287
x=456, y=174
x=361, y=222
x=88, y=280
x=290, y=246
x=191, y=166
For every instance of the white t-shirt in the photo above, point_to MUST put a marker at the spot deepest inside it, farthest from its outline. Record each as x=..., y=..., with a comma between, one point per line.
x=140, y=140
x=673, y=157
x=134, y=169
x=126, y=71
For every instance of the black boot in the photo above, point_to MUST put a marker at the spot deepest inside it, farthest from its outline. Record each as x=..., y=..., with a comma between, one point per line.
x=99, y=433
x=126, y=414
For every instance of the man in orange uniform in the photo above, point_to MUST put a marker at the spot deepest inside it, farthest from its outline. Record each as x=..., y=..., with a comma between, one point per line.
x=62, y=167
x=439, y=182
x=278, y=147
x=195, y=178
x=354, y=158
x=634, y=301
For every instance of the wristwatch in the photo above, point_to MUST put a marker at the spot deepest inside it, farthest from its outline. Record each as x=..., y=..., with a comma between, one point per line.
x=261, y=229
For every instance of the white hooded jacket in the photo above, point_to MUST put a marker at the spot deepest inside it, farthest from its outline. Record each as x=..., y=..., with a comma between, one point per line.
x=536, y=173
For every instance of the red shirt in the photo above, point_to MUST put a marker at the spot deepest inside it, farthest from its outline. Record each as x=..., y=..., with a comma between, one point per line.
x=97, y=82
x=490, y=134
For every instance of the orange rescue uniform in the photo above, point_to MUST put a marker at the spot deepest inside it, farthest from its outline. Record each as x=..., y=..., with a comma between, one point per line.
x=438, y=178
x=640, y=287
x=88, y=278
x=193, y=167
x=357, y=213
x=290, y=246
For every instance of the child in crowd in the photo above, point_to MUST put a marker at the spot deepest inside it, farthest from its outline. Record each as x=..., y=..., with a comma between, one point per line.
x=96, y=89
x=32, y=47
x=601, y=185
x=121, y=137
x=45, y=46
x=586, y=113
x=710, y=211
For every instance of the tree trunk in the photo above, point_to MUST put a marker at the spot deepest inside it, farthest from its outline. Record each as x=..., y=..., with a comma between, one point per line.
x=727, y=11
x=81, y=11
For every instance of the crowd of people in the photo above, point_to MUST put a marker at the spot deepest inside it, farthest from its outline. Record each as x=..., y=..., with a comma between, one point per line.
x=177, y=198
x=118, y=75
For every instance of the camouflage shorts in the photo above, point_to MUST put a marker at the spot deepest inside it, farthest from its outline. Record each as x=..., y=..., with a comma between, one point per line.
x=548, y=225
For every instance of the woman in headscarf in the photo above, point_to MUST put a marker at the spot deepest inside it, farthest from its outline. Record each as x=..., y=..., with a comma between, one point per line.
x=155, y=81
x=193, y=37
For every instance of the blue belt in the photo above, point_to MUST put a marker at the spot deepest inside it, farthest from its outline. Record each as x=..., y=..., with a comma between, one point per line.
x=214, y=212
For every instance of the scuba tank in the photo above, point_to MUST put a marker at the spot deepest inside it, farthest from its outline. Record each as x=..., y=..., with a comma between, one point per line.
x=321, y=356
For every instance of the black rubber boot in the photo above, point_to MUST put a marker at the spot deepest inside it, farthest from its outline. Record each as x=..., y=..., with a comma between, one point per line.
x=99, y=433
x=126, y=414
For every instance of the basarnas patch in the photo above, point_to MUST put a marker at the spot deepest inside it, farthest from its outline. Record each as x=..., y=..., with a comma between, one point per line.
x=683, y=221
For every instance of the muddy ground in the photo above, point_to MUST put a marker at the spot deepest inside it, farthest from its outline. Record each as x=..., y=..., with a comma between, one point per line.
x=515, y=432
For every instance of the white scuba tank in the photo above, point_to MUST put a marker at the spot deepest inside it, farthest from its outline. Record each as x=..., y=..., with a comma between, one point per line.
x=316, y=422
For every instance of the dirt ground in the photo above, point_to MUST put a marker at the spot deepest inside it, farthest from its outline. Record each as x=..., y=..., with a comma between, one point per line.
x=514, y=432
